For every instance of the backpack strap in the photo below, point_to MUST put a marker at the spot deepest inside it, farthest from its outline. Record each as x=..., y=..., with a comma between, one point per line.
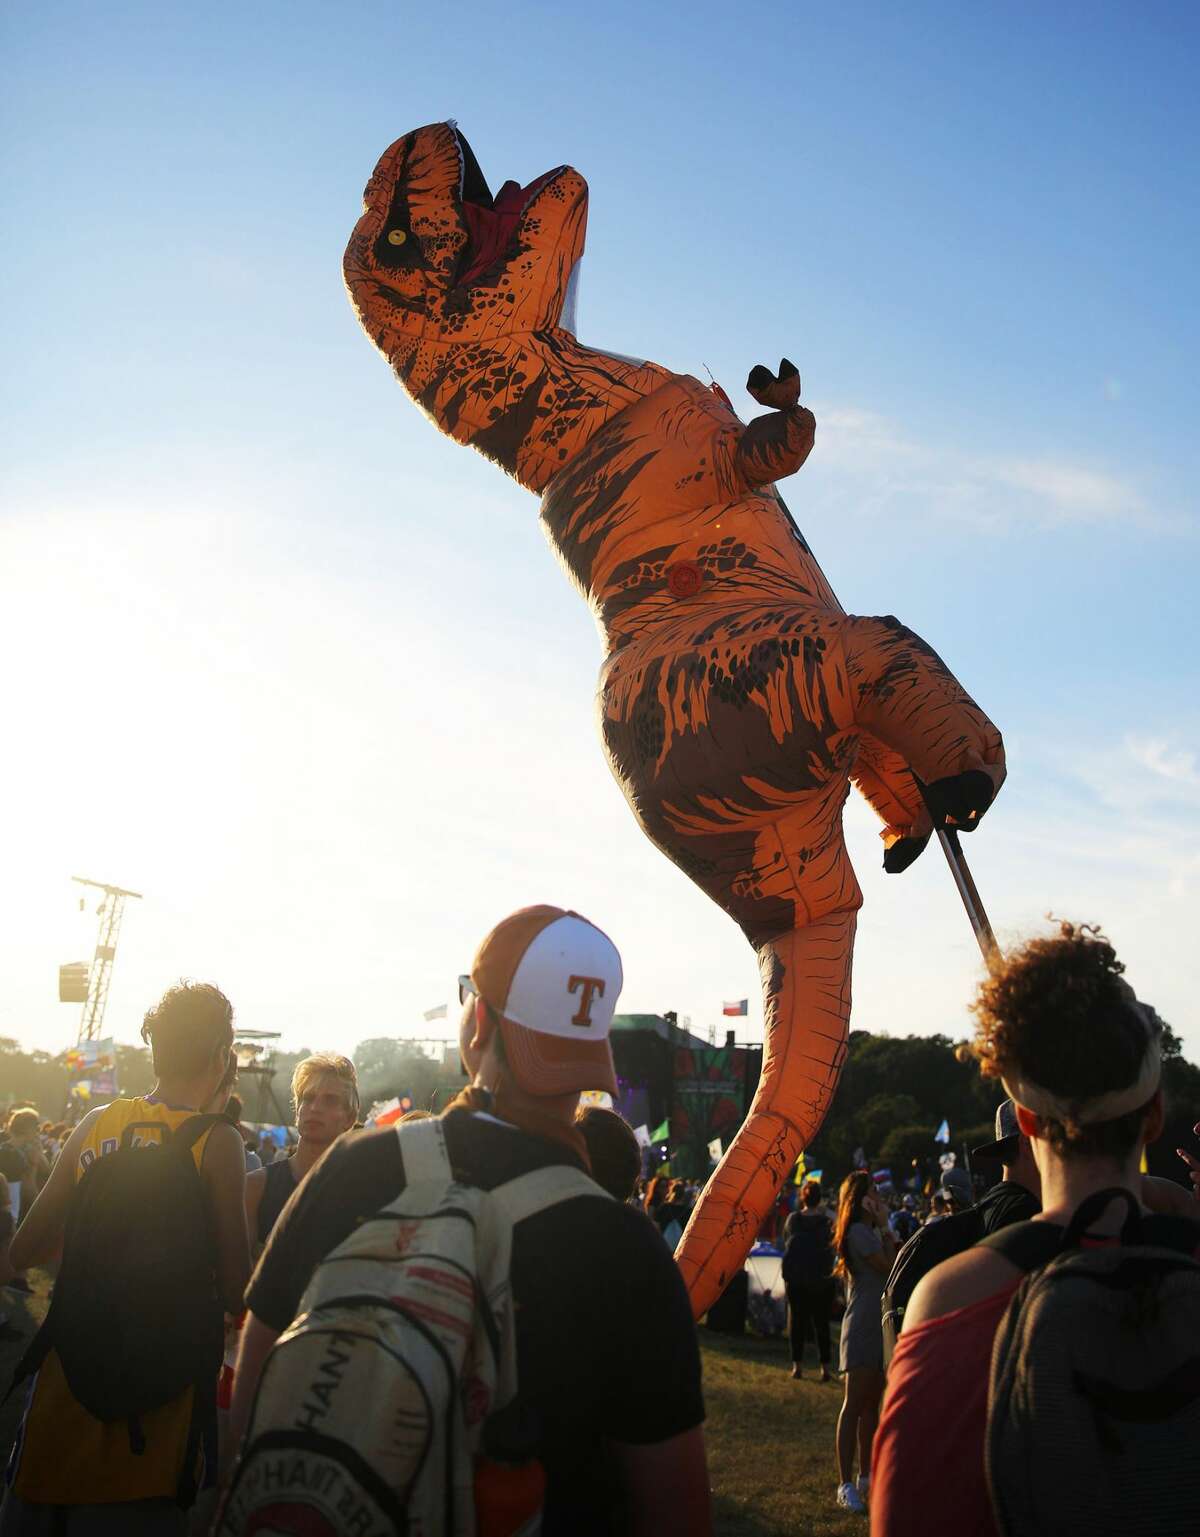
x=185, y=1135
x=1027, y=1245
x=1030, y=1245
x=537, y=1191
x=1094, y=1207
x=423, y=1152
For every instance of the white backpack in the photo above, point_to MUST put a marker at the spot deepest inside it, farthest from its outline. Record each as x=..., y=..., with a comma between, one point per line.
x=371, y=1406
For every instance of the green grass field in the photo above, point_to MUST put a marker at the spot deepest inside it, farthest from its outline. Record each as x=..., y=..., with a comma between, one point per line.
x=770, y=1442
x=770, y=1439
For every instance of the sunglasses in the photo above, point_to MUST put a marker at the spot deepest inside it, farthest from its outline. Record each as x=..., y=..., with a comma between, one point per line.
x=466, y=989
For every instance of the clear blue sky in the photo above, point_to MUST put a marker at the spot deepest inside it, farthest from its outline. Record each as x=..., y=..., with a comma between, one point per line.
x=304, y=672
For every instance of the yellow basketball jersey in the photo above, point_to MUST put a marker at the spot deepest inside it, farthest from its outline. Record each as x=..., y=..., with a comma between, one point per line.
x=63, y=1456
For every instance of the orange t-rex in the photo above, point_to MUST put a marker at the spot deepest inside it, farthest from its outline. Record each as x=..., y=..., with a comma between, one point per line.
x=737, y=699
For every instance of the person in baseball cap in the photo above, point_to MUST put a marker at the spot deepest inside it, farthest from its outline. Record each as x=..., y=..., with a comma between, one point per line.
x=1006, y=1146
x=627, y=1453
x=547, y=980
x=956, y=1188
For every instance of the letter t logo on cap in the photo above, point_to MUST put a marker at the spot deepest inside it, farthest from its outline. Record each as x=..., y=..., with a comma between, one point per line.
x=589, y=985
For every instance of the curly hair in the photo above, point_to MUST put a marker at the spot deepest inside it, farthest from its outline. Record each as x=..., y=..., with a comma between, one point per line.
x=1058, y=1012
x=187, y=1024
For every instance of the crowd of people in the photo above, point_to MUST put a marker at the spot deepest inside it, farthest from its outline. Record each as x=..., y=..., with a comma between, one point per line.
x=940, y=1340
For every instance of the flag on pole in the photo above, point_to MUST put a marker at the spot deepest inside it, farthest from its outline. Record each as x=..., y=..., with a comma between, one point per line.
x=800, y=1175
x=388, y=1111
x=942, y=1134
x=715, y=1149
x=642, y=1135
x=438, y=1013
x=739, y=1007
x=663, y=1132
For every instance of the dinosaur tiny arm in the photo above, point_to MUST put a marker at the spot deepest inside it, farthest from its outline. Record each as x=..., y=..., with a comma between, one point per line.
x=776, y=445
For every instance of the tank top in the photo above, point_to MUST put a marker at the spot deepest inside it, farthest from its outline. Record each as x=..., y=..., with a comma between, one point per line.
x=64, y=1456
x=278, y=1192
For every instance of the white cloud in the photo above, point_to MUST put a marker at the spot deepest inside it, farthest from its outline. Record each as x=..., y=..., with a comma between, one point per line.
x=1176, y=764
x=1075, y=490
x=891, y=470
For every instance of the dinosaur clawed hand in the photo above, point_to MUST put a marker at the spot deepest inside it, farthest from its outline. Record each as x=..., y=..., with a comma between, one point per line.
x=901, y=853
x=780, y=393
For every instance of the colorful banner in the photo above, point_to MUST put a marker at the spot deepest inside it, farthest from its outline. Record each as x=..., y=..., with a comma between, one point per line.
x=92, y=1069
x=711, y=1091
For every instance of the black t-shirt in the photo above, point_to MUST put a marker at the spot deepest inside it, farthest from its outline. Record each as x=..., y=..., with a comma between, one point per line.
x=1005, y=1204
x=606, y=1347
x=280, y=1186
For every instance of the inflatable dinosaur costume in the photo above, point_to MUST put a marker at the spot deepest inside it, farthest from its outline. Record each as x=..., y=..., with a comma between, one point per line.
x=737, y=700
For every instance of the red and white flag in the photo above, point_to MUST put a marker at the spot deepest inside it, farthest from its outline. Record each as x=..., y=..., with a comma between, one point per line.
x=738, y=1006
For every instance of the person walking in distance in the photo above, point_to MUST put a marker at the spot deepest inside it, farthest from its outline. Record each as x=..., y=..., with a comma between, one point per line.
x=808, y=1277
x=325, y=1094
x=863, y=1249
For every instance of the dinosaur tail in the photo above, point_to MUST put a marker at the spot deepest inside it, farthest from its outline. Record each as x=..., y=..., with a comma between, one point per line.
x=806, y=995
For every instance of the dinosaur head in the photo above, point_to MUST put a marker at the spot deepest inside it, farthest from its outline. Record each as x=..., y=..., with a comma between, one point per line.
x=437, y=257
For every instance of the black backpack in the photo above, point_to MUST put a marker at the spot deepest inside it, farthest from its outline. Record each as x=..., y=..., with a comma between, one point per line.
x=1094, y=1394
x=927, y=1247
x=13, y=1164
x=808, y=1256
x=135, y=1317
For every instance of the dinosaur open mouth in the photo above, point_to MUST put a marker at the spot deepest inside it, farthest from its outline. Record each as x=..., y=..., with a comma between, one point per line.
x=491, y=221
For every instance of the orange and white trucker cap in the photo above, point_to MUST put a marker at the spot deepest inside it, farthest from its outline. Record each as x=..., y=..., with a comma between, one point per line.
x=554, y=979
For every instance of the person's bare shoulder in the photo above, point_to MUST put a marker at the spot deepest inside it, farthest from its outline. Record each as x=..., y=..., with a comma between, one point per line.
x=958, y=1282
x=1168, y=1198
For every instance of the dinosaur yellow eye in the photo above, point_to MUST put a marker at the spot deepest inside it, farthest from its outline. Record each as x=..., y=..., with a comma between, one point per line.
x=397, y=237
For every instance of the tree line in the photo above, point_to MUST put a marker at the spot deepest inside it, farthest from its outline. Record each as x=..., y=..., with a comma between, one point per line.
x=386, y=1067
x=894, y=1093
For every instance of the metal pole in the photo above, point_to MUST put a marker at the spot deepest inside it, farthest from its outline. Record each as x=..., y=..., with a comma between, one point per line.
x=969, y=893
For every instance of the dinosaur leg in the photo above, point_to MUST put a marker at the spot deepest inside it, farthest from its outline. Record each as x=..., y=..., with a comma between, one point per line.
x=806, y=1000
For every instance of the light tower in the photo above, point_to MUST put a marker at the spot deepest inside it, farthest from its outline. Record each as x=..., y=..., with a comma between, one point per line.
x=106, y=948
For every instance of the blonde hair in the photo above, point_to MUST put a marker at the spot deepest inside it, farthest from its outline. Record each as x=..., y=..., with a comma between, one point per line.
x=21, y=1121
x=326, y=1064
